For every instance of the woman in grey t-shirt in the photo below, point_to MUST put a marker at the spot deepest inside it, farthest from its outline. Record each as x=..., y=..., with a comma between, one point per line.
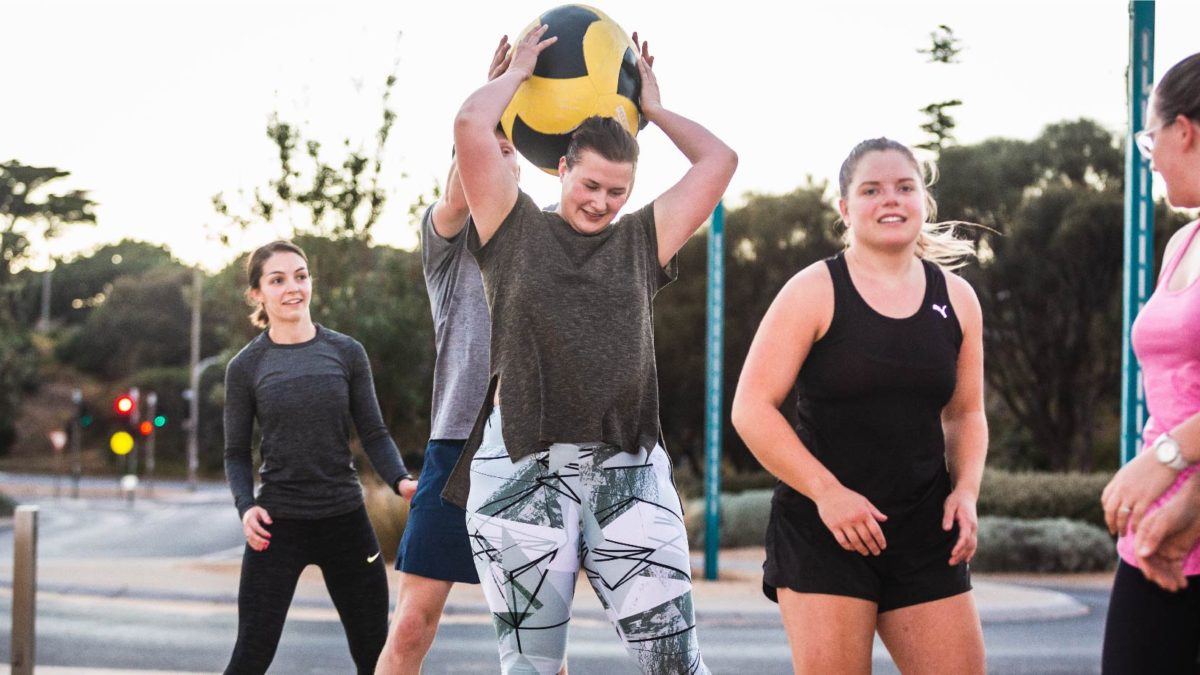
x=567, y=472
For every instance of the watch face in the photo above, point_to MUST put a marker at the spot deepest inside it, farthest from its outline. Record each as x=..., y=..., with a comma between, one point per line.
x=1166, y=449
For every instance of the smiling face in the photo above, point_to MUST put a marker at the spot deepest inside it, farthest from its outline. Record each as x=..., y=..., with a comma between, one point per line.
x=285, y=288
x=884, y=205
x=593, y=191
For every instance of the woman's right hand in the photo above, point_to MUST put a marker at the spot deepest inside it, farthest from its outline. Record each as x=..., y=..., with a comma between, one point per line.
x=253, y=525
x=853, y=520
x=524, y=56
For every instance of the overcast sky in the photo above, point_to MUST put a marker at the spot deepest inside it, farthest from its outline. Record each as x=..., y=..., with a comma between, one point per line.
x=156, y=106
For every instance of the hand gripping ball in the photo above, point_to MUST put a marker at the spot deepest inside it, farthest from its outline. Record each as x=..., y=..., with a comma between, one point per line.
x=591, y=70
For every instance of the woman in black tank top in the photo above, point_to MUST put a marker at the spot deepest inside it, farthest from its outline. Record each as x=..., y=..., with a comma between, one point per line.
x=873, y=522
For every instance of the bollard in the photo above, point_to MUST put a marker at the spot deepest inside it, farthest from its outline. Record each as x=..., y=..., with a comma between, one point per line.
x=24, y=588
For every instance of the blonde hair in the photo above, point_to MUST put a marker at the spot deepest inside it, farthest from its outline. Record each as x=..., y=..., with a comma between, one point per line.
x=937, y=241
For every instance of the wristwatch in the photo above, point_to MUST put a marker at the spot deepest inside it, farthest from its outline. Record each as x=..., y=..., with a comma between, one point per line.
x=1166, y=450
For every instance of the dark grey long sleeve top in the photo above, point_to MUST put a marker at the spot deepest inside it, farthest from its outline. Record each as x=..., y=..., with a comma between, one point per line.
x=305, y=398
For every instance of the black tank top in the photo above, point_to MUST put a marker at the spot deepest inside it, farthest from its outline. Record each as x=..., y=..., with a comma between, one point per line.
x=871, y=393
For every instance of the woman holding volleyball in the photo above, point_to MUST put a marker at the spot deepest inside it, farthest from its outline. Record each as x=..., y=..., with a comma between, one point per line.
x=564, y=468
x=873, y=521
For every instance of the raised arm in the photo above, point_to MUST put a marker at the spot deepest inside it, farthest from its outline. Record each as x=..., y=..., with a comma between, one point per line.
x=680, y=211
x=799, y=315
x=450, y=212
x=489, y=187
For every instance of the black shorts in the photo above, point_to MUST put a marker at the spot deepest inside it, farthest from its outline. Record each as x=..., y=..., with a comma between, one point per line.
x=804, y=556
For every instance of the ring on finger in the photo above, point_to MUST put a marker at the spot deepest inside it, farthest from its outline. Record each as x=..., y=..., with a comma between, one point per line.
x=1124, y=509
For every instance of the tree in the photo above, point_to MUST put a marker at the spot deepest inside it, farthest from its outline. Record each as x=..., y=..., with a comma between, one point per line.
x=144, y=323
x=82, y=284
x=30, y=217
x=768, y=239
x=26, y=214
x=1049, y=282
x=940, y=125
x=343, y=198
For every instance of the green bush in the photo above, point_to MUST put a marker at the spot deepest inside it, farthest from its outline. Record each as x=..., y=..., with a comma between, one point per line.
x=1075, y=496
x=743, y=519
x=1042, y=545
x=1005, y=544
x=691, y=484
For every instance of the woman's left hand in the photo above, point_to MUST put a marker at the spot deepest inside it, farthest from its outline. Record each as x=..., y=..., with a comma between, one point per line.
x=407, y=487
x=651, y=100
x=960, y=509
x=1133, y=490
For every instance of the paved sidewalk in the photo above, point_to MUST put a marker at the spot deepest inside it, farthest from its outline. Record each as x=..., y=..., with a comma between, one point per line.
x=737, y=594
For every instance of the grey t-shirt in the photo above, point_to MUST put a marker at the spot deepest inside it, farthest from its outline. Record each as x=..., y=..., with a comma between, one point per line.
x=461, y=329
x=305, y=397
x=572, y=332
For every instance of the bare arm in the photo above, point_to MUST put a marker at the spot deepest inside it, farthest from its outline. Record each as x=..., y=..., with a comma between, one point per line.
x=490, y=189
x=964, y=423
x=799, y=315
x=450, y=212
x=680, y=211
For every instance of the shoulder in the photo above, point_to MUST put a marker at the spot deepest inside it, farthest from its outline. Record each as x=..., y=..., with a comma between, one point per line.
x=245, y=360
x=343, y=343
x=811, y=289
x=963, y=298
x=1177, y=239
x=813, y=283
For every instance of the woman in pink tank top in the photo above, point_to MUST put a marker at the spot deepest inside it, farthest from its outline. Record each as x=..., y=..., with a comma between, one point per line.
x=1153, y=502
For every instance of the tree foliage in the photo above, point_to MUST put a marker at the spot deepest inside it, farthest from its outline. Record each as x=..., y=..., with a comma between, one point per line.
x=29, y=214
x=943, y=48
x=340, y=198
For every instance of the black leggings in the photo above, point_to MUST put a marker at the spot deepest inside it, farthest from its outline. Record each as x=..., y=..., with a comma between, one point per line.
x=1150, y=630
x=345, y=549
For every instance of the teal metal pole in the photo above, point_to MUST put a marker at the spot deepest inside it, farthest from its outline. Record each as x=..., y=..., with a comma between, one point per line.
x=712, y=391
x=1139, y=223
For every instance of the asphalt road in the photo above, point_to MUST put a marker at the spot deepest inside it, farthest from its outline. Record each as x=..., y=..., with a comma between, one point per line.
x=127, y=633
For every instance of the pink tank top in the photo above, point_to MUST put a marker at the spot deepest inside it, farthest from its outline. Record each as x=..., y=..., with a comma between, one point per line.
x=1166, y=339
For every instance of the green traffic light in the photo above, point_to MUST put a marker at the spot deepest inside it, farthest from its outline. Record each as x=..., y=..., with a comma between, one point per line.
x=85, y=421
x=160, y=421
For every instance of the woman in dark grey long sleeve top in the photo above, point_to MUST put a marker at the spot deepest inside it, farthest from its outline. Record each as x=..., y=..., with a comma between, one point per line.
x=306, y=386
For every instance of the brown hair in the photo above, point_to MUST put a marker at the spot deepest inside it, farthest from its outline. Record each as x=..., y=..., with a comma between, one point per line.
x=606, y=137
x=1178, y=93
x=936, y=242
x=254, y=271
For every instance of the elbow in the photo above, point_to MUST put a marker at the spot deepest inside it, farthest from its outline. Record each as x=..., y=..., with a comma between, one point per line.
x=470, y=123
x=740, y=416
x=729, y=161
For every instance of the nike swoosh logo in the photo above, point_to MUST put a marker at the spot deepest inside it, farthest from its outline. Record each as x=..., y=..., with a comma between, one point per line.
x=373, y=558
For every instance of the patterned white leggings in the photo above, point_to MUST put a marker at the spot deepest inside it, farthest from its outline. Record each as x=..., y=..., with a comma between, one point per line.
x=535, y=522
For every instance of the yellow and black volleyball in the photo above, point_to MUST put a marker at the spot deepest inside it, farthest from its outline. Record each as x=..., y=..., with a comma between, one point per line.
x=591, y=70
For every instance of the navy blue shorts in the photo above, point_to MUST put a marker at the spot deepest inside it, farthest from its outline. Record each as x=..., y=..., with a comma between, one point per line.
x=435, y=543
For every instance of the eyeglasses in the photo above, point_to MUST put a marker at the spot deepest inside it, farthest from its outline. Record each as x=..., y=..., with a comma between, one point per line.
x=1144, y=140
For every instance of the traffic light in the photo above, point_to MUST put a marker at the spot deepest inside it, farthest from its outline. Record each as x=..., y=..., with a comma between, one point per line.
x=84, y=414
x=160, y=421
x=146, y=428
x=125, y=404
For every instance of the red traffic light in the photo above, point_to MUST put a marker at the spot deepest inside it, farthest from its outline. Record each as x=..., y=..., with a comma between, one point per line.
x=146, y=428
x=123, y=404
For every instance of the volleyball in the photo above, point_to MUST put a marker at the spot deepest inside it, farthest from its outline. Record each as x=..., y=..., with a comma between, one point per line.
x=591, y=70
